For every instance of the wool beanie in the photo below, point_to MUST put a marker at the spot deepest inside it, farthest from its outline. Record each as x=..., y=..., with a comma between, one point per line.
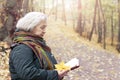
x=30, y=20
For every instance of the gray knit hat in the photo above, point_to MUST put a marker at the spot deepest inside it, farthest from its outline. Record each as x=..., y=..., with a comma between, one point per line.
x=30, y=20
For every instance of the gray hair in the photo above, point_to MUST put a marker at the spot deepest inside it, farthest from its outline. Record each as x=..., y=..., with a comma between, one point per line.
x=30, y=20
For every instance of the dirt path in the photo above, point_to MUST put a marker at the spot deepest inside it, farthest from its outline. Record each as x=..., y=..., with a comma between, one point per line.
x=95, y=64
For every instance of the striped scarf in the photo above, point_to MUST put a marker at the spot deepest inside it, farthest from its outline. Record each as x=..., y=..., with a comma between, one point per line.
x=37, y=44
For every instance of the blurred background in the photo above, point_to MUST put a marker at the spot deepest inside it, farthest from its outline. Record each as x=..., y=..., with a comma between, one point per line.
x=93, y=23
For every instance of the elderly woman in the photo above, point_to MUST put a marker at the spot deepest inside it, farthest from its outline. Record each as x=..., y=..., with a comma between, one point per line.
x=30, y=57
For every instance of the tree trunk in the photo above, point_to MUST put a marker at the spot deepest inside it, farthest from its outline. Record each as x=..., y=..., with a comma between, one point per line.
x=94, y=19
x=99, y=27
x=112, y=30
x=44, y=6
x=119, y=22
x=72, y=13
x=19, y=7
x=104, y=26
x=63, y=14
x=118, y=44
x=53, y=3
x=56, y=8
x=19, y=4
x=12, y=10
x=79, y=22
x=31, y=5
x=3, y=31
x=25, y=7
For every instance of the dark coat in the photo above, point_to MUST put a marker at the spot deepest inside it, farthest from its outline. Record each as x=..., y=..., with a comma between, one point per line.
x=24, y=65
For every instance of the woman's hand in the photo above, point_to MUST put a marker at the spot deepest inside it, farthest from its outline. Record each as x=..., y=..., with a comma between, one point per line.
x=62, y=73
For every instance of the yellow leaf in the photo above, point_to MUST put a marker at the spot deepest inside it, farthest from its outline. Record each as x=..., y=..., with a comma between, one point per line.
x=62, y=66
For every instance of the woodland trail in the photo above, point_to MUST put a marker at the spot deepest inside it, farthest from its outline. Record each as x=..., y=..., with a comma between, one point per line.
x=95, y=64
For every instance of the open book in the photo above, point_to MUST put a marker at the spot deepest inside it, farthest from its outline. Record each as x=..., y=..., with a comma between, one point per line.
x=73, y=63
x=70, y=65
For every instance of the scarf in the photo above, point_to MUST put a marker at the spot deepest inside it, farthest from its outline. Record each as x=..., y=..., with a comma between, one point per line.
x=37, y=44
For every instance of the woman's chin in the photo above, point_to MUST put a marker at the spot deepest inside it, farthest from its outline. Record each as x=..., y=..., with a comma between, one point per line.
x=41, y=36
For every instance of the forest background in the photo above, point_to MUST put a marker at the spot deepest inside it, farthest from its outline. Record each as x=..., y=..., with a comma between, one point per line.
x=94, y=22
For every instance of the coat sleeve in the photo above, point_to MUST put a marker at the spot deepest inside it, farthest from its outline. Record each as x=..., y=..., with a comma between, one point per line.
x=22, y=57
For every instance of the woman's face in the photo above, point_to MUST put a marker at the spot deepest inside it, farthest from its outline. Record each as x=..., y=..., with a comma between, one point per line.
x=39, y=30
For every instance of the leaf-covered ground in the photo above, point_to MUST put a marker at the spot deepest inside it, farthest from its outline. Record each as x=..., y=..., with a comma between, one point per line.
x=4, y=72
x=95, y=63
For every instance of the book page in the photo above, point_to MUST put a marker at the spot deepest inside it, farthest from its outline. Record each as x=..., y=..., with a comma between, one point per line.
x=73, y=63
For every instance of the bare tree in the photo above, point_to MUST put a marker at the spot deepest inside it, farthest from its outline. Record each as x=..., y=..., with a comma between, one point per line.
x=25, y=6
x=44, y=6
x=104, y=25
x=53, y=3
x=119, y=20
x=79, y=22
x=101, y=23
x=94, y=19
x=56, y=10
x=12, y=10
x=118, y=44
x=99, y=27
x=112, y=29
x=72, y=13
x=30, y=5
x=64, y=15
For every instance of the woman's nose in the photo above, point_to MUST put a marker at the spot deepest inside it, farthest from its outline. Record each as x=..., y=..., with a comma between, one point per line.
x=44, y=31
